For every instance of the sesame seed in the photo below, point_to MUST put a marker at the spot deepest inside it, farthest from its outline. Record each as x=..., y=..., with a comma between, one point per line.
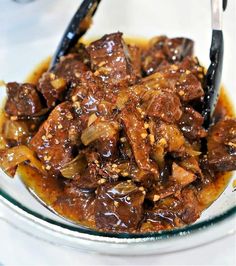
x=77, y=74
x=124, y=173
x=123, y=139
x=151, y=138
x=101, y=181
x=128, y=198
x=102, y=63
x=48, y=167
x=96, y=73
x=74, y=98
x=181, y=92
x=162, y=141
x=52, y=75
x=187, y=72
x=144, y=135
x=174, y=67
x=114, y=165
x=139, y=109
x=141, y=188
x=57, y=141
x=116, y=203
x=44, y=137
x=156, y=197
x=76, y=105
x=60, y=126
x=13, y=118
x=49, y=136
x=146, y=125
x=69, y=116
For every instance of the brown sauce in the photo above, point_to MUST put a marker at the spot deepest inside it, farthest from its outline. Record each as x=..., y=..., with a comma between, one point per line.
x=50, y=189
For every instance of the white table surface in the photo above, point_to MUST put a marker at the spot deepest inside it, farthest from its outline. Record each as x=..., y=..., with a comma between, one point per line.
x=17, y=248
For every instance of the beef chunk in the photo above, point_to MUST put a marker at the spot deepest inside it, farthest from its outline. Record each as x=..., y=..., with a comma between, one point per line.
x=88, y=85
x=76, y=205
x=192, y=64
x=137, y=136
x=110, y=60
x=164, y=105
x=177, y=49
x=81, y=53
x=135, y=58
x=118, y=207
x=176, y=211
x=70, y=68
x=191, y=123
x=52, y=87
x=22, y=100
x=185, y=83
x=66, y=74
x=154, y=55
x=181, y=176
x=191, y=207
x=221, y=145
x=170, y=135
x=175, y=79
x=57, y=138
x=162, y=51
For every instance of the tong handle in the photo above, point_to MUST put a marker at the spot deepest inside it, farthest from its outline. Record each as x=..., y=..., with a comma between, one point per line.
x=76, y=28
x=214, y=72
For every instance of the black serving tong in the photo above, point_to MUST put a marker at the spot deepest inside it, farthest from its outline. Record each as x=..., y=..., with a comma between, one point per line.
x=77, y=27
x=213, y=75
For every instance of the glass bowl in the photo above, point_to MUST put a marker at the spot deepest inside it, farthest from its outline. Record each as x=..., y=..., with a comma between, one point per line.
x=33, y=34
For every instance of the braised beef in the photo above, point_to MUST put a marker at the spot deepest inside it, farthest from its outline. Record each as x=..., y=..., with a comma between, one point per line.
x=115, y=130
x=58, y=137
x=66, y=74
x=119, y=206
x=137, y=136
x=22, y=100
x=162, y=50
x=164, y=105
x=177, y=49
x=176, y=210
x=191, y=123
x=154, y=55
x=110, y=60
x=221, y=145
x=135, y=59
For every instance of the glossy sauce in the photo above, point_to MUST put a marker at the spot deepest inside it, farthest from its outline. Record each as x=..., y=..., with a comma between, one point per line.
x=51, y=189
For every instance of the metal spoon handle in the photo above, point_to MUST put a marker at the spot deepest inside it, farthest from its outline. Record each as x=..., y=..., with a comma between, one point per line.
x=214, y=72
x=76, y=28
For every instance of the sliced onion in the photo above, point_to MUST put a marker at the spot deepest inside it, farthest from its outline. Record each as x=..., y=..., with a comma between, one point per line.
x=12, y=157
x=74, y=167
x=122, y=99
x=15, y=130
x=102, y=129
x=3, y=143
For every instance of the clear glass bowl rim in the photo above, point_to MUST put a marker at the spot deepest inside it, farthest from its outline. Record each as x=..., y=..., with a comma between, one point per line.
x=91, y=232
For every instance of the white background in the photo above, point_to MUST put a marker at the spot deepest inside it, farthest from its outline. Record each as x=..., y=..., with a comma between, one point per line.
x=16, y=248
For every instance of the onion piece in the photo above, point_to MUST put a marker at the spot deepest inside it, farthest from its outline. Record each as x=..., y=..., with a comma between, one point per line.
x=15, y=130
x=102, y=129
x=3, y=143
x=12, y=157
x=74, y=167
x=122, y=99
